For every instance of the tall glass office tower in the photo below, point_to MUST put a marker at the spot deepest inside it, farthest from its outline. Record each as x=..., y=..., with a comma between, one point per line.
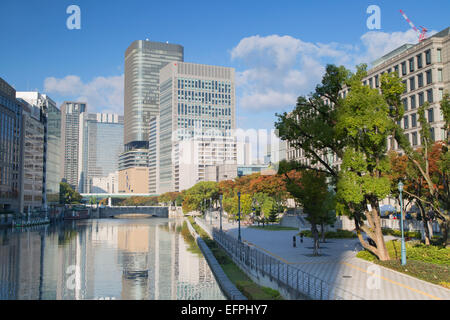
x=143, y=61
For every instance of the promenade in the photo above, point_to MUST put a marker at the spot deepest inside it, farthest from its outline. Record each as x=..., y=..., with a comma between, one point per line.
x=338, y=265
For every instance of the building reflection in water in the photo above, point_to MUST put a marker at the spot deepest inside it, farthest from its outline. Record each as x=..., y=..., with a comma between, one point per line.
x=104, y=259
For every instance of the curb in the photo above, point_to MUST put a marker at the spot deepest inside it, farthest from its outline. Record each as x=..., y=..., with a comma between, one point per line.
x=225, y=284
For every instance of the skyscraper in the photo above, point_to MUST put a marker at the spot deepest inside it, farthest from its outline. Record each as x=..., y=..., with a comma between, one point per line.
x=143, y=61
x=197, y=119
x=70, y=134
x=101, y=143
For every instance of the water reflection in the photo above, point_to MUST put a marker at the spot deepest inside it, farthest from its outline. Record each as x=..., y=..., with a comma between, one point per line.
x=103, y=259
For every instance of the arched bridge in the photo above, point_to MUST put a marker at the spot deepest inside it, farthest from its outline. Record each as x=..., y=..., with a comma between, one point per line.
x=108, y=212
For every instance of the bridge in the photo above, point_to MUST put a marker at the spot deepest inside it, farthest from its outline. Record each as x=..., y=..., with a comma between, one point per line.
x=108, y=212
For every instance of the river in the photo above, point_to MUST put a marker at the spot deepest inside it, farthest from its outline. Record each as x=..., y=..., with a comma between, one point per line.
x=105, y=259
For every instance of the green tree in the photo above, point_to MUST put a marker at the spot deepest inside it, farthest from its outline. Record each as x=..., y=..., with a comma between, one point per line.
x=269, y=209
x=365, y=119
x=200, y=195
x=311, y=126
x=67, y=195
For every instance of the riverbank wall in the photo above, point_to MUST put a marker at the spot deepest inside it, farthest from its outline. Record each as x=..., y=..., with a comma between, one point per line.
x=228, y=288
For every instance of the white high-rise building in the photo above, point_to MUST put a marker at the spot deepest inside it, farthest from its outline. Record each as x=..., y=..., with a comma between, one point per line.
x=197, y=120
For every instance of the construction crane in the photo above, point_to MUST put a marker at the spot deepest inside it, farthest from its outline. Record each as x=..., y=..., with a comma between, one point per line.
x=421, y=34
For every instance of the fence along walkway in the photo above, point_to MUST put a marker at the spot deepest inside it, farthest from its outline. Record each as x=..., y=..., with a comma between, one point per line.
x=290, y=278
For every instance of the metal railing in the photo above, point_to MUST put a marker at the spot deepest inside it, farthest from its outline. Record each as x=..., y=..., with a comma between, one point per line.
x=297, y=282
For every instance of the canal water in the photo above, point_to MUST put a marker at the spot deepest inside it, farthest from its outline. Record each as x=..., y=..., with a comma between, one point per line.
x=105, y=259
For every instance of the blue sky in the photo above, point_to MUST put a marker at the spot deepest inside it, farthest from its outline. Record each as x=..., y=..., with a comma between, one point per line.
x=279, y=48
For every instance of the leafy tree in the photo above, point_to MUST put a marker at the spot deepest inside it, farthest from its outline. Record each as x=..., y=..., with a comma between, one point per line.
x=365, y=120
x=67, y=195
x=311, y=126
x=269, y=209
x=197, y=197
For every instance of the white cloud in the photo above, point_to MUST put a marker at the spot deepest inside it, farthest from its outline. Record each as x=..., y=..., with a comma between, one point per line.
x=102, y=94
x=277, y=69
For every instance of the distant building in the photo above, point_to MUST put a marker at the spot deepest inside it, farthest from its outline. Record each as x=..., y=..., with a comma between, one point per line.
x=10, y=147
x=197, y=116
x=32, y=190
x=53, y=155
x=143, y=61
x=70, y=140
x=134, y=172
x=108, y=184
x=100, y=144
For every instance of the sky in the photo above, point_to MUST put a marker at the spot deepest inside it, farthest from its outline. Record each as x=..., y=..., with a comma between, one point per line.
x=278, y=48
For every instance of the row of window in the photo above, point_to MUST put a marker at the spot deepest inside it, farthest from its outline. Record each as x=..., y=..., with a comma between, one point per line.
x=415, y=118
x=205, y=97
x=196, y=110
x=410, y=65
x=219, y=86
x=410, y=103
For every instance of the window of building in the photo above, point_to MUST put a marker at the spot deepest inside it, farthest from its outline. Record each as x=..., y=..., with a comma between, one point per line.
x=404, y=68
x=439, y=55
x=412, y=84
x=413, y=120
x=432, y=134
x=411, y=65
x=421, y=99
x=430, y=115
x=405, y=104
x=413, y=101
x=440, y=75
x=420, y=80
x=430, y=95
x=414, y=138
x=370, y=83
x=405, y=86
x=396, y=70
x=405, y=122
x=428, y=56
x=429, y=77
x=377, y=82
x=419, y=61
x=441, y=94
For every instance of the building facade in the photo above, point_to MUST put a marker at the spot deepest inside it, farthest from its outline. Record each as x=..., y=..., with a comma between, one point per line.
x=10, y=147
x=70, y=137
x=53, y=140
x=197, y=121
x=101, y=143
x=33, y=145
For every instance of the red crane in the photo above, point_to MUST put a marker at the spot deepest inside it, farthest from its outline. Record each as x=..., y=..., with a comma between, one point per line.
x=421, y=34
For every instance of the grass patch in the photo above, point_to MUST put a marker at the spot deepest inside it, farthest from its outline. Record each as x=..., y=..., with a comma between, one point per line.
x=338, y=234
x=274, y=227
x=243, y=282
x=398, y=233
x=429, y=263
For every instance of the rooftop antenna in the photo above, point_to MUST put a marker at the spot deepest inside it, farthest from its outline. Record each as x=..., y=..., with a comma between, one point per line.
x=421, y=34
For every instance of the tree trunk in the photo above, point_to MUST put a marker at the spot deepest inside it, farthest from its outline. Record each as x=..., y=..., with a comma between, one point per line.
x=445, y=225
x=426, y=223
x=379, y=239
x=322, y=231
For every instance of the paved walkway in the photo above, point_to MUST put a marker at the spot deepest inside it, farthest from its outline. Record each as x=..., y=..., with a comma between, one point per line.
x=338, y=265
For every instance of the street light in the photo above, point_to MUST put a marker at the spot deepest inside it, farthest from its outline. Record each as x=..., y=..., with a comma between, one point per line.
x=221, y=198
x=210, y=211
x=403, y=250
x=239, y=215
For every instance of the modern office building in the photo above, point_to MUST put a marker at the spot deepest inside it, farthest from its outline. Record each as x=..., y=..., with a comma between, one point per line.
x=10, y=147
x=32, y=169
x=425, y=70
x=70, y=137
x=53, y=139
x=108, y=184
x=143, y=61
x=197, y=119
x=101, y=143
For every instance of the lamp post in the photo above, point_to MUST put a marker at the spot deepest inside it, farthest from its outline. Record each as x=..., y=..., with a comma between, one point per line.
x=221, y=198
x=239, y=215
x=403, y=250
x=210, y=211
